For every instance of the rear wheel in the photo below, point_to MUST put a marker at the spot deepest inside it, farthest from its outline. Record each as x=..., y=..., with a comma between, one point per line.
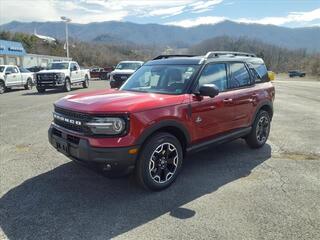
x=41, y=90
x=159, y=162
x=260, y=130
x=67, y=85
x=28, y=84
x=85, y=83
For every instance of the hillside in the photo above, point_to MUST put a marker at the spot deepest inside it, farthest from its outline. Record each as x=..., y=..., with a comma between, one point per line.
x=163, y=35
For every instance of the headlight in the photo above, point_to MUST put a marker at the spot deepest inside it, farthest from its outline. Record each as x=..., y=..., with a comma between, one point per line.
x=59, y=76
x=107, y=125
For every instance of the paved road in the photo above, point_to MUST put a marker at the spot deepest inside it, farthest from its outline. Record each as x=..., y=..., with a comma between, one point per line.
x=227, y=192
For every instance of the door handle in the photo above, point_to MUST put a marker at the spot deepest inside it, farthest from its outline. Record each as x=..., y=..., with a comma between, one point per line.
x=228, y=100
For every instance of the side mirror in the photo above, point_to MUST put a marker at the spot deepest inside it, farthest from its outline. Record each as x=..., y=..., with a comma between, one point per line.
x=210, y=90
x=7, y=73
x=271, y=75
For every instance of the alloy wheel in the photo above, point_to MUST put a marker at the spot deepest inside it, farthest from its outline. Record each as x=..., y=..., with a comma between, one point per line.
x=262, y=129
x=163, y=162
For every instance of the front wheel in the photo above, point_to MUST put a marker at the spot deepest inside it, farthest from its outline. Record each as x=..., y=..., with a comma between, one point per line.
x=85, y=83
x=41, y=90
x=2, y=87
x=28, y=85
x=260, y=130
x=67, y=85
x=159, y=162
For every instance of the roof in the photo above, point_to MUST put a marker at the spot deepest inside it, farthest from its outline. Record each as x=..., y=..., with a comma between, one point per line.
x=209, y=57
x=11, y=48
x=131, y=62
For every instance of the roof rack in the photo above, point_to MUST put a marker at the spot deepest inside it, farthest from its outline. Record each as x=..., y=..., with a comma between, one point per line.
x=172, y=56
x=221, y=53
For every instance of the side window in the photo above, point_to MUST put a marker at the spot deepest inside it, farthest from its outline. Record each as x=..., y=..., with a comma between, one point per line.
x=239, y=75
x=15, y=70
x=262, y=72
x=214, y=74
x=9, y=70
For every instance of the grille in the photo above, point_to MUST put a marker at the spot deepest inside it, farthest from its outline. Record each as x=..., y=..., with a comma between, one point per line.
x=76, y=116
x=118, y=77
x=46, y=77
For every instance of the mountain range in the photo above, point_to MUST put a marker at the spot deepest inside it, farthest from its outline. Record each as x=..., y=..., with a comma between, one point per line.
x=173, y=36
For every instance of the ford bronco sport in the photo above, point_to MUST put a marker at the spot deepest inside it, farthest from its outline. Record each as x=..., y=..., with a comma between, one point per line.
x=167, y=108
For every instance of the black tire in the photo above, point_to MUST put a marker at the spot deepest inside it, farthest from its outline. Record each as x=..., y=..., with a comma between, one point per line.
x=85, y=83
x=2, y=87
x=260, y=130
x=159, y=173
x=41, y=90
x=28, y=85
x=67, y=85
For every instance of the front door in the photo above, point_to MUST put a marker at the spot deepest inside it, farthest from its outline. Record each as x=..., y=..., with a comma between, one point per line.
x=74, y=69
x=211, y=116
x=12, y=77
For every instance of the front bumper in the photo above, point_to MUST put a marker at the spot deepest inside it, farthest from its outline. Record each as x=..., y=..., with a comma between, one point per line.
x=115, y=160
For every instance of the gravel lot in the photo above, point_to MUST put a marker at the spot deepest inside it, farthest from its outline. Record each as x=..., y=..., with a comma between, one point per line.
x=227, y=192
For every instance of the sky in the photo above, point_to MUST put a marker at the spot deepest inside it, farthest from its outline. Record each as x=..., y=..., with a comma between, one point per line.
x=184, y=13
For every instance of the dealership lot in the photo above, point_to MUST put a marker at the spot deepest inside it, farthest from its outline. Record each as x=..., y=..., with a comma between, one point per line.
x=227, y=192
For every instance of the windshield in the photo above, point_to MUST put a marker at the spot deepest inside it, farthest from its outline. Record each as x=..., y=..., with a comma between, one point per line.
x=58, y=65
x=2, y=68
x=168, y=79
x=126, y=65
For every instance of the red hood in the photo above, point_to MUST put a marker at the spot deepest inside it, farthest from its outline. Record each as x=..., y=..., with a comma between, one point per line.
x=104, y=101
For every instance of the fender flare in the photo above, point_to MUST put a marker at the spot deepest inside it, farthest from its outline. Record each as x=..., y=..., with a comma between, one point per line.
x=164, y=124
x=267, y=103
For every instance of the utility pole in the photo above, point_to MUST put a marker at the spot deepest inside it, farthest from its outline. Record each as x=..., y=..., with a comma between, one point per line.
x=66, y=20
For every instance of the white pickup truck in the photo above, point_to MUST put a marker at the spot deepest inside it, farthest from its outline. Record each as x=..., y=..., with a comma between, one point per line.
x=13, y=76
x=62, y=75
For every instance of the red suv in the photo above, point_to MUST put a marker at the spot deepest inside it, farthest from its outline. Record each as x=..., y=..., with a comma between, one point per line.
x=170, y=106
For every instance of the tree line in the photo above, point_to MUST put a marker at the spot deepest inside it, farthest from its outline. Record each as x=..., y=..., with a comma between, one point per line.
x=278, y=59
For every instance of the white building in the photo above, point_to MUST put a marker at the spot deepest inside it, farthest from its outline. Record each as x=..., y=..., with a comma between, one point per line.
x=13, y=53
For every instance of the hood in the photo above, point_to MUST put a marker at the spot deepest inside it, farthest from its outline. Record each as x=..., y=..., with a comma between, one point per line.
x=122, y=71
x=117, y=101
x=54, y=71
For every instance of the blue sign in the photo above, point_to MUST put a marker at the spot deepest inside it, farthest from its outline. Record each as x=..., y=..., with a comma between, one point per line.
x=11, y=48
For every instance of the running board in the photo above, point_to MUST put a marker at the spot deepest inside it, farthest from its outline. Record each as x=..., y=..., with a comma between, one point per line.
x=221, y=139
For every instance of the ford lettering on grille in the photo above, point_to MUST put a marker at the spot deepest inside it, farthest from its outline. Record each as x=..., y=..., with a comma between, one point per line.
x=66, y=119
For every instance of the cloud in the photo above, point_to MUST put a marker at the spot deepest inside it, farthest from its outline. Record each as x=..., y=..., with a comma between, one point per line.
x=292, y=17
x=197, y=21
x=84, y=11
x=167, y=11
x=13, y=10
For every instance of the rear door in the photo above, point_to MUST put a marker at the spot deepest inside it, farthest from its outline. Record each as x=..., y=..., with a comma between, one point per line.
x=211, y=116
x=244, y=95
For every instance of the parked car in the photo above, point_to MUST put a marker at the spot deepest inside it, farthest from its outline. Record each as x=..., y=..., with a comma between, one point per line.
x=100, y=73
x=122, y=72
x=166, y=109
x=13, y=76
x=62, y=75
x=296, y=73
